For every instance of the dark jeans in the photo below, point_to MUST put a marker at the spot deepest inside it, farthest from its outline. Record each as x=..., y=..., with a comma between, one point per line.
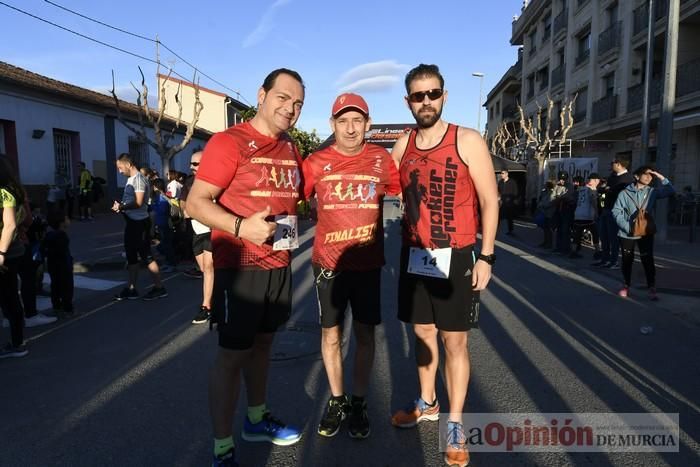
x=167, y=244
x=61, y=286
x=9, y=300
x=547, y=229
x=646, y=254
x=27, y=274
x=566, y=218
x=508, y=213
x=609, y=241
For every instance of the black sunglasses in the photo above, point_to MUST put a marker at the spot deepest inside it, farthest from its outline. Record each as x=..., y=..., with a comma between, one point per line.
x=195, y=164
x=433, y=94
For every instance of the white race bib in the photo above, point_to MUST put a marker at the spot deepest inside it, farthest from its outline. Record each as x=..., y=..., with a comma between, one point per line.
x=429, y=262
x=286, y=235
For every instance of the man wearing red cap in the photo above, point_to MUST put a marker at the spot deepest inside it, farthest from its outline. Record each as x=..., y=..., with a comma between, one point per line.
x=350, y=179
x=447, y=179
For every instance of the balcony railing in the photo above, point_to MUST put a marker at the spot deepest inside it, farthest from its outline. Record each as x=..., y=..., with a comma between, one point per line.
x=610, y=38
x=583, y=56
x=510, y=111
x=558, y=75
x=560, y=22
x=688, y=78
x=604, y=109
x=687, y=82
x=641, y=15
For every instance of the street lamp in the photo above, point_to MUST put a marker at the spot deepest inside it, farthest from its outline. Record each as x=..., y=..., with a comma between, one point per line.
x=481, y=87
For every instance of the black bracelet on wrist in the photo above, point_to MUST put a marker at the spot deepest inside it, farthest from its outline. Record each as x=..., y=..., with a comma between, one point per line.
x=237, y=226
x=3, y=253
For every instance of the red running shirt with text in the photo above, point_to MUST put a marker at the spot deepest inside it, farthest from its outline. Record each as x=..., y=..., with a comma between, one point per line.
x=254, y=171
x=350, y=192
x=440, y=203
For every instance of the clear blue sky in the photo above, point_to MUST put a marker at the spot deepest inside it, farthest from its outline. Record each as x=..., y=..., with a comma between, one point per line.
x=365, y=46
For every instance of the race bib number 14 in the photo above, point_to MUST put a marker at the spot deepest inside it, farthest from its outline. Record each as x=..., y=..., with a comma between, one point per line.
x=432, y=263
x=286, y=234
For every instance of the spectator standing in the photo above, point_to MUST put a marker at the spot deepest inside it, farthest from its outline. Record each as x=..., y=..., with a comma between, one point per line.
x=11, y=251
x=59, y=261
x=565, y=204
x=508, y=199
x=617, y=181
x=545, y=205
x=137, y=241
x=161, y=217
x=628, y=206
x=586, y=214
x=85, y=193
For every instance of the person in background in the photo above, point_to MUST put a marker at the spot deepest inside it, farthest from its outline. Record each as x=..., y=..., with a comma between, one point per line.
x=160, y=209
x=618, y=180
x=59, y=262
x=546, y=206
x=85, y=193
x=628, y=205
x=586, y=214
x=508, y=199
x=11, y=251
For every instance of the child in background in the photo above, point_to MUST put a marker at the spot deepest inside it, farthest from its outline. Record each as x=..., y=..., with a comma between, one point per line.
x=60, y=263
x=161, y=218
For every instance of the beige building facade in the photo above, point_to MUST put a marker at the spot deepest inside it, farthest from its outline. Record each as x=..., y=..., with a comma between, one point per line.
x=220, y=111
x=596, y=50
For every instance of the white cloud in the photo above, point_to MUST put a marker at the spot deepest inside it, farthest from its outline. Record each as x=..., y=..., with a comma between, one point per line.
x=265, y=25
x=373, y=76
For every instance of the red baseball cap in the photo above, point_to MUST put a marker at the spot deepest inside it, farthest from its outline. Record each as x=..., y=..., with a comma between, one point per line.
x=348, y=101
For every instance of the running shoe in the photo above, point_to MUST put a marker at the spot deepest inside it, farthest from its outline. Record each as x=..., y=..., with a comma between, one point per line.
x=156, y=293
x=416, y=412
x=652, y=294
x=336, y=411
x=624, y=292
x=271, y=430
x=225, y=460
x=456, y=453
x=127, y=293
x=10, y=351
x=202, y=315
x=358, y=422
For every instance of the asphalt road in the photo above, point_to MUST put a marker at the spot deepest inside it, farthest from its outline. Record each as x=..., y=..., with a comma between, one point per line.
x=125, y=384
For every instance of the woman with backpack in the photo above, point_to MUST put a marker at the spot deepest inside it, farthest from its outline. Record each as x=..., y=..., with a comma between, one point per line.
x=632, y=213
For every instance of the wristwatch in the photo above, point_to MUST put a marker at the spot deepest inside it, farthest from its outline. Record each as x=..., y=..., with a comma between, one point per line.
x=490, y=259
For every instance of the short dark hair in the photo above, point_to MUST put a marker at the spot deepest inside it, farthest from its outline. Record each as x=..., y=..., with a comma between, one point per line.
x=159, y=184
x=640, y=170
x=620, y=161
x=125, y=157
x=270, y=79
x=55, y=218
x=423, y=71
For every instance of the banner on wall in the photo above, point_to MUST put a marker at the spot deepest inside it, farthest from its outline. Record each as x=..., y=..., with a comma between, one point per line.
x=574, y=166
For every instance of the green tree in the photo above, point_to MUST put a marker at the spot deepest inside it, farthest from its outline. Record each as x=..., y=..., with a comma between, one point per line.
x=306, y=142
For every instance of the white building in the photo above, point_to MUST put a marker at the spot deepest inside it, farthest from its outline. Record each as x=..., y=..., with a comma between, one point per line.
x=48, y=126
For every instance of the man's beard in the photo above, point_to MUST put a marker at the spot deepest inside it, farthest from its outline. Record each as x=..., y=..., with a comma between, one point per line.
x=427, y=120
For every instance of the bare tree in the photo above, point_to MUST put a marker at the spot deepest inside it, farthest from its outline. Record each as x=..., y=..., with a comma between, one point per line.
x=541, y=139
x=162, y=140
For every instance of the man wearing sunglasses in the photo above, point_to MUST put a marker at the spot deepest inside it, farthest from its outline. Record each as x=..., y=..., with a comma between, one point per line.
x=447, y=179
x=253, y=171
x=201, y=245
x=350, y=179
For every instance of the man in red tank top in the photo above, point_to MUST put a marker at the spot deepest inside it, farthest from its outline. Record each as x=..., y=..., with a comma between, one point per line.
x=252, y=170
x=350, y=179
x=447, y=176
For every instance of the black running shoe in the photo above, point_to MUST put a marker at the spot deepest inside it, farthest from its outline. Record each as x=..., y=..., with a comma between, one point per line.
x=202, y=316
x=358, y=422
x=336, y=411
x=127, y=293
x=155, y=293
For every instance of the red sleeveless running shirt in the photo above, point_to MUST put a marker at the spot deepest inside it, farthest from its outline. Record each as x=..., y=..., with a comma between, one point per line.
x=439, y=196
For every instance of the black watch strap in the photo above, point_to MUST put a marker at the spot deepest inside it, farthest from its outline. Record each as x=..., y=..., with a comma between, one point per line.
x=490, y=259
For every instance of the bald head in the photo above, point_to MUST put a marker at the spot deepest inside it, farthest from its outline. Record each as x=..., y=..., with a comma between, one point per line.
x=195, y=159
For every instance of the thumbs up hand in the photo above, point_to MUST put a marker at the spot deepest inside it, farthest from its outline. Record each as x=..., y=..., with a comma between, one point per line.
x=256, y=229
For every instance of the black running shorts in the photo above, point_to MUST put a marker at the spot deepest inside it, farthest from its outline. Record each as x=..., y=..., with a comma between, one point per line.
x=137, y=241
x=248, y=302
x=451, y=304
x=360, y=289
x=201, y=243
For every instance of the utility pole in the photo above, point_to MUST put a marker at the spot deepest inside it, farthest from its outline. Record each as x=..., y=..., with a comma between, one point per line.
x=481, y=88
x=668, y=102
x=646, y=109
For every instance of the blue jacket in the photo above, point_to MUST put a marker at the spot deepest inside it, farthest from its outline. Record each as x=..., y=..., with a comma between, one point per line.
x=625, y=211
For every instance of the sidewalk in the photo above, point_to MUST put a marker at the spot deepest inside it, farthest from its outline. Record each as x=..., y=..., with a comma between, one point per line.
x=98, y=245
x=677, y=267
